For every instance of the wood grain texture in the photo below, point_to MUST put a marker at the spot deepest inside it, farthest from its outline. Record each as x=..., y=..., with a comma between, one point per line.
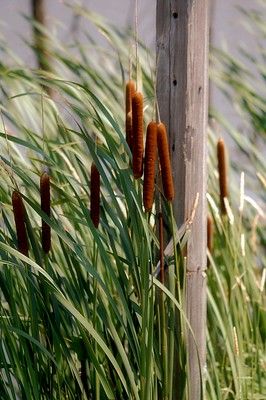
x=182, y=90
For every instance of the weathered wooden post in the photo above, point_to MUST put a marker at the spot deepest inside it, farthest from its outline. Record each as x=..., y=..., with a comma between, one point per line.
x=40, y=39
x=182, y=90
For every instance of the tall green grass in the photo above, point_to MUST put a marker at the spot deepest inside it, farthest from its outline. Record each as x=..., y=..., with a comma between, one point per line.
x=91, y=320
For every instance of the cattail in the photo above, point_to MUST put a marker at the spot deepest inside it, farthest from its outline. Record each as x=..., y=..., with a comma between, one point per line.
x=129, y=132
x=130, y=91
x=20, y=222
x=165, y=163
x=95, y=195
x=46, y=208
x=222, y=170
x=209, y=235
x=137, y=129
x=149, y=165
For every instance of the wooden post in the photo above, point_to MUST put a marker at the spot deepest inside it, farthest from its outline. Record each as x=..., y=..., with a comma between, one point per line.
x=40, y=40
x=182, y=91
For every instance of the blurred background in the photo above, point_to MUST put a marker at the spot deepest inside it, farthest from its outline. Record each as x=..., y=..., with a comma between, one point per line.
x=228, y=30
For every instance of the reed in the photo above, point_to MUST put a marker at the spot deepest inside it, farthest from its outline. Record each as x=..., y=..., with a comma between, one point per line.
x=46, y=208
x=20, y=222
x=165, y=163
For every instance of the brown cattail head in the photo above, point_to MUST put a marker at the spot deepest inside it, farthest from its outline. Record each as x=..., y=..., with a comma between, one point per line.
x=20, y=222
x=95, y=196
x=130, y=91
x=209, y=234
x=137, y=129
x=46, y=208
x=149, y=165
x=222, y=170
x=166, y=170
x=129, y=133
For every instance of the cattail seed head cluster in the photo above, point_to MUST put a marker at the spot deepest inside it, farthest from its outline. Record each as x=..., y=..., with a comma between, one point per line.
x=149, y=165
x=129, y=133
x=95, y=196
x=156, y=142
x=46, y=208
x=130, y=91
x=165, y=163
x=20, y=222
x=222, y=170
x=137, y=129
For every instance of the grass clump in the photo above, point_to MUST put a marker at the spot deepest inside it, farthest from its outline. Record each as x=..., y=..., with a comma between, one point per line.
x=91, y=318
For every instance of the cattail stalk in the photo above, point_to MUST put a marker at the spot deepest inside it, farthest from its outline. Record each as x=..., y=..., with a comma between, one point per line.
x=95, y=196
x=137, y=129
x=149, y=165
x=46, y=208
x=161, y=241
x=20, y=222
x=222, y=170
x=165, y=163
x=130, y=91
